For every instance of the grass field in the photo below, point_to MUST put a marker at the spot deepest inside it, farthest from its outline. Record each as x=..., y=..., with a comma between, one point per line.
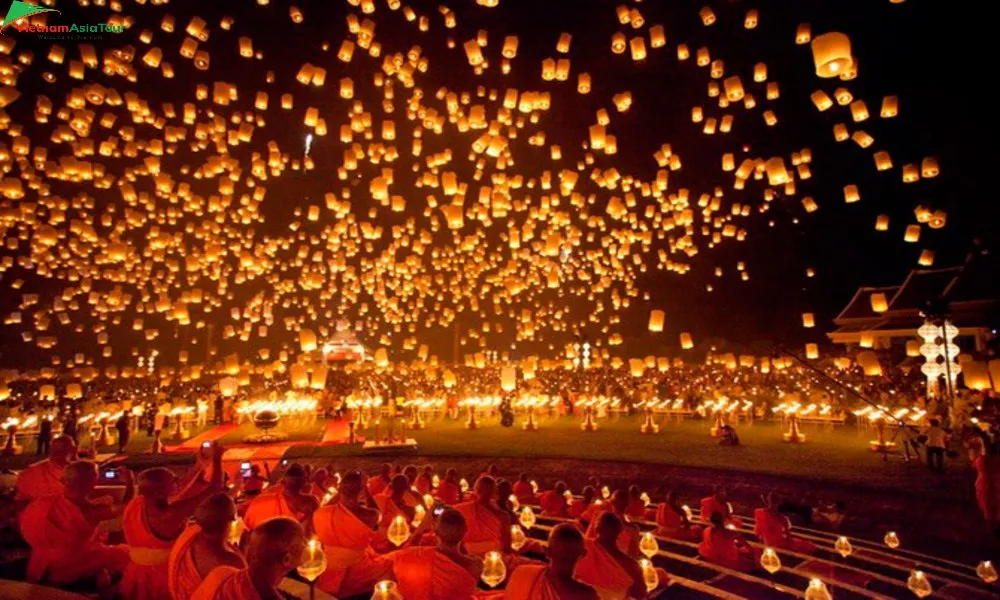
x=835, y=454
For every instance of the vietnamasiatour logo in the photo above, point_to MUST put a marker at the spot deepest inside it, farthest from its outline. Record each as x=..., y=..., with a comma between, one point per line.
x=18, y=11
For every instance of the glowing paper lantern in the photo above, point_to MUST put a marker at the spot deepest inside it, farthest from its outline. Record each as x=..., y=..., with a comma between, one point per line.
x=686, y=342
x=656, y=318
x=832, y=54
x=508, y=379
x=879, y=302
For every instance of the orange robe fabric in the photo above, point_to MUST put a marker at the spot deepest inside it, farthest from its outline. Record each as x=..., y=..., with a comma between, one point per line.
x=711, y=505
x=483, y=534
x=65, y=547
x=530, y=583
x=636, y=509
x=449, y=493
x=353, y=567
x=524, y=493
x=594, y=510
x=721, y=549
x=553, y=504
x=40, y=480
x=670, y=524
x=268, y=505
x=226, y=583
x=183, y=577
x=600, y=570
x=145, y=577
x=423, y=573
x=774, y=530
x=376, y=485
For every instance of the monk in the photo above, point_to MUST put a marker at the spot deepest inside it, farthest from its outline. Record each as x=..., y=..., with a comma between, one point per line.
x=153, y=521
x=773, y=528
x=554, y=581
x=449, y=491
x=45, y=478
x=320, y=484
x=636, y=508
x=397, y=501
x=721, y=546
x=442, y=572
x=346, y=528
x=523, y=490
x=62, y=530
x=553, y=502
x=488, y=526
x=605, y=567
x=276, y=547
x=628, y=541
x=425, y=481
x=717, y=502
x=579, y=507
x=287, y=499
x=381, y=481
x=672, y=521
x=202, y=547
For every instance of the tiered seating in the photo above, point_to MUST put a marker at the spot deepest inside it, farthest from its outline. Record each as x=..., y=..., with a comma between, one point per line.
x=871, y=571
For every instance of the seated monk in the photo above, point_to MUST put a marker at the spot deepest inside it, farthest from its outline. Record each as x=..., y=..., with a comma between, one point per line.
x=672, y=521
x=381, y=481
x=596, y=508
x=398, y=501
x=45, y=478
x=275, y=548
x=287, y=499
x=724, y=547
x=553, y=502
x=636, y=508
x=346, y=529
x=628, y=541
x=152, y=522
x=62, y=530
x=488, y=527
x=554, y=581
x=425, y=481
x=581, y=506
x=449, y=491
x=717, y=503
x=320, y=484
x=523, y=490
x=773, y=529
x=444, y=572
x=613, y=573
x=202, y=547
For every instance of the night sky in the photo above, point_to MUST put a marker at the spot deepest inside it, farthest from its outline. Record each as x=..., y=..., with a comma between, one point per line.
x=933, y=55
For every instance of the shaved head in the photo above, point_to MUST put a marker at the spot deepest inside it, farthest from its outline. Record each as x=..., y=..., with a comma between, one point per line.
x=399, y=484
x=565, y=548
x=451, y=527
x=215, y=514
x=486, y=487
x=157, y=483
x=609, y=526
x=79, y=478
x=63, y=449
x=276, y=544
x=351, y=484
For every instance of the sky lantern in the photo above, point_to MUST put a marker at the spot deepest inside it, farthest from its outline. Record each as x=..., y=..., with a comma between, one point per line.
x=656, y=318
x=832, y=54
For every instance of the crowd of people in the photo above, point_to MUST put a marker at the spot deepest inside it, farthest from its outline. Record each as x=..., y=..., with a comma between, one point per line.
x=204, y=534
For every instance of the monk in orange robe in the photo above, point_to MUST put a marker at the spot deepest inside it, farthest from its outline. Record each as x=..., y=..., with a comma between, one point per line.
x=449, y=491
x=488, y=526
x=556, y=580
x=346, y=529
x=320, y=484
x=606, y=568
x=717, y=503
x=62, y=530
x=579, y=507
x=773, y=528
x=425, y=481
x=524, y=491
x=275, y=549
x=377, y=484
x=724, y=547
x=553, y=502
x=629, y=535
x=672, y=521
x=444, y=572
x=287, y=499
x=636, y=508
x=400, y=500
x=152, y=523
x=202, y=547
x=45, y=478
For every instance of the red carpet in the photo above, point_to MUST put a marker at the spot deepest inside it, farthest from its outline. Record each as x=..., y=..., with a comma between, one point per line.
x=210, y=435
x=337, y=432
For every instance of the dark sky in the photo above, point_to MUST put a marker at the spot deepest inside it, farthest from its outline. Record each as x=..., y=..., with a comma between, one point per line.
x=934, y=55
